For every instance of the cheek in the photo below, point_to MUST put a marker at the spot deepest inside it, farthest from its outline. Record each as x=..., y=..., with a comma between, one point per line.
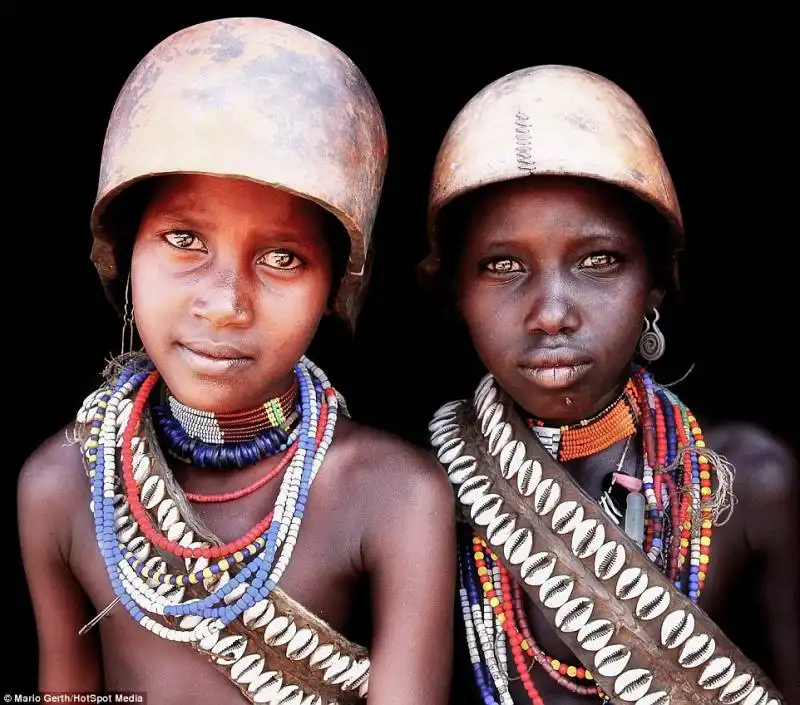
x=618, y=321
x=488, y=316
x=149, y=298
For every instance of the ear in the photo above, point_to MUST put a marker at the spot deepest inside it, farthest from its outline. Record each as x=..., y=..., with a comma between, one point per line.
x=654, y=299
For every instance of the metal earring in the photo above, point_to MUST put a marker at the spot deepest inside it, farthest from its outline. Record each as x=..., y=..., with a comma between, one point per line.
x=651, y=341
x=127, y=319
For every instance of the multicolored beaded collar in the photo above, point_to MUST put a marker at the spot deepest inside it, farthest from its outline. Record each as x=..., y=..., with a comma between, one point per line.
x=227, y=441
x=579, y=440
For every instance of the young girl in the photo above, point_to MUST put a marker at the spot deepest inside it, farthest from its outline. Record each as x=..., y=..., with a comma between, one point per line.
x=205, y=536
x=555, y=226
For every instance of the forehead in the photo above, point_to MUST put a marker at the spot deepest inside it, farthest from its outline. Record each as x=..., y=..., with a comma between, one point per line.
x=229, y=197
x=564, y=202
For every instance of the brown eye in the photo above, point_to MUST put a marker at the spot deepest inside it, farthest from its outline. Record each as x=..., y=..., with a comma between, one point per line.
x=280, y=259
x=503, y=266
x=599, y=260
x=185, y=241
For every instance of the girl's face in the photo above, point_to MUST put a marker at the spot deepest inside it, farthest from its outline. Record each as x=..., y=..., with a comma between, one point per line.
x=229, y=282
x=554, y=282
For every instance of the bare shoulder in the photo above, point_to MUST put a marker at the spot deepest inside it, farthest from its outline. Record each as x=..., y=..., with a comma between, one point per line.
x=393, y=467
x=764, y=463
x=52, y=481
x=766, y=481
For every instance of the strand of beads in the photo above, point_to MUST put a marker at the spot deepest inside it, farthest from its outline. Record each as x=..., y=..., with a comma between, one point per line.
x=468, y=595
x=678, y=517
x=289, y=509
x=141, y=594
x=252, y=487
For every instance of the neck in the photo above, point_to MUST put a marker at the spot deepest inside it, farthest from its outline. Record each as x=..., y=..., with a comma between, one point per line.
x=612, y=424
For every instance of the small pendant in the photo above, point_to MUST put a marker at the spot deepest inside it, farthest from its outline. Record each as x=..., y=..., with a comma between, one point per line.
x=634, y=517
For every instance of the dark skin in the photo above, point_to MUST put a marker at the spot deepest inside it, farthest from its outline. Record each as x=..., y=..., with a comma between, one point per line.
x=221, y=264
x=553, y=283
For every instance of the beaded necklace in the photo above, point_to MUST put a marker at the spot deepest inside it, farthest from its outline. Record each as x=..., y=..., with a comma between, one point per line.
x=227, y=441
x=590, y=436
x=677, y=525
x=144, y=586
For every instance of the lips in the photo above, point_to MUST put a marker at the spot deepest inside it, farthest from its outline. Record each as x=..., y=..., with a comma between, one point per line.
x=213, y=358
x=555, y=369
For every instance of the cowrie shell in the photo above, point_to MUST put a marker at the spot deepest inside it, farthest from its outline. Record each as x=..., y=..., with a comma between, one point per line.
x=511, y=457
x=265, y=687
x=500, y=435
x=572, y=615
x=438, y=422
x=322, y=657
x=758, y=696
x=608, y=560
x=500, y=529
x=518, y=546
x=475, y=487
x=676, y=628
x=450, y=450
x=716, y=673
x=595, y=635
x=697, y=650
x=486, y=508
x=738, y=688
x=230, y=649
x=555, y=591
x=538, y=568
x=652, y=603
x=546, y=497
x=491, y=417
x=302, y=644
x=278, y=628
x=152, y=491
x=444, y=433
x=587, y=538
x=247, y=668
x=461, y=469
x=631, y=583
x=484, y=399
x=566, y=517
x=528, y=476
x=633, y=684
x=611, y=660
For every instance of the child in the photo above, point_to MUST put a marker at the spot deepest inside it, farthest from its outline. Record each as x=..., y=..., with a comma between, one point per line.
x=231, y=509
x=555, y=225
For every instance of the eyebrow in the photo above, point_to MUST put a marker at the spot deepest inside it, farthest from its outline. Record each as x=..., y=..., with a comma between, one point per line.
x=189, y=218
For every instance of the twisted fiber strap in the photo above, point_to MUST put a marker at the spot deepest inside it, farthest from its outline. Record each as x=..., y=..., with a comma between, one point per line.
x=644, y=641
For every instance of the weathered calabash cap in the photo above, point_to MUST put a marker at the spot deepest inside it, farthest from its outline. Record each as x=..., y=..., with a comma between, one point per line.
x=551, y=120
x=256, y=99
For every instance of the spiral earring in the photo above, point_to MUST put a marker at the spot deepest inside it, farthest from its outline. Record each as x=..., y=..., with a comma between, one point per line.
x=651, y=342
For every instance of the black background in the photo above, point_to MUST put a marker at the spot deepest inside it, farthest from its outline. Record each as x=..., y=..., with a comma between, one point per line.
x=715, y=105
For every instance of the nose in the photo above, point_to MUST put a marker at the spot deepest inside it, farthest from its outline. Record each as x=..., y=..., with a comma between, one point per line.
x=551, y=309
x=225, y=299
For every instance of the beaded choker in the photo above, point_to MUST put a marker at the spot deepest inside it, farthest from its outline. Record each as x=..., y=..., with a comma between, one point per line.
x=579, y=440
x=223, y=441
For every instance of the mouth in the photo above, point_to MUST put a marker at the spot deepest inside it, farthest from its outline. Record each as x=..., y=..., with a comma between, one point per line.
x=212, y=357
x=555, y=369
